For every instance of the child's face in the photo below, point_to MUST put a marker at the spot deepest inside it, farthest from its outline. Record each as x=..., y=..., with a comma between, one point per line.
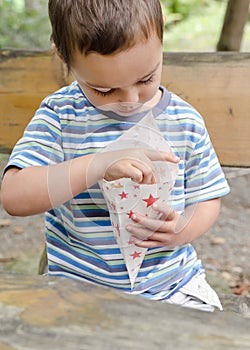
x=124, y=81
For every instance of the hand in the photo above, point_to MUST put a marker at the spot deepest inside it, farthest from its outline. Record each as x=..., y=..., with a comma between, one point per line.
x=135, y=163
x=164, y=231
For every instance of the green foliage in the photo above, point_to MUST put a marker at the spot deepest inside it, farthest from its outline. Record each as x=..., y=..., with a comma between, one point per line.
x=191, y=25
x=21, y=28
x=179, y=10
x=183, y=7
x=199, y=30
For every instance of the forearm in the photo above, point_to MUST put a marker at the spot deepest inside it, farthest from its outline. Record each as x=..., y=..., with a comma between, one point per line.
x=34, y=190
x=197, y=219
x=37, y=189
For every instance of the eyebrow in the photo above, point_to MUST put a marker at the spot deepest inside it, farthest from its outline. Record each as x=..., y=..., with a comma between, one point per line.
x=93, y=86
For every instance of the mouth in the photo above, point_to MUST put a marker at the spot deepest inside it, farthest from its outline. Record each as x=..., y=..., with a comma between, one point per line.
x=129, y=111
x=125, y=109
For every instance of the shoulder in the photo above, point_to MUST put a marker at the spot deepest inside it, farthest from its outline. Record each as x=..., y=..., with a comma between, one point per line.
x=180, y=116
x=184, y=111
x=67, y=98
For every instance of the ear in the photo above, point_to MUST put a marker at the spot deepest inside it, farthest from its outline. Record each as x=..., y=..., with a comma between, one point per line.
x=55, y=50
x=65, y=70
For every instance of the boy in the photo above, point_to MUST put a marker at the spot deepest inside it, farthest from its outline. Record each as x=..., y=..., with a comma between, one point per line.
x=114, y=50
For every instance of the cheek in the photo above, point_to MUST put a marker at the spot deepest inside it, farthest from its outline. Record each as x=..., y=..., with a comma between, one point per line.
x=94, y=98
x=148, y=92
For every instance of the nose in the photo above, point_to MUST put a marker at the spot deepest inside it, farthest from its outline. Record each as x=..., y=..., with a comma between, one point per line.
x=130, y=94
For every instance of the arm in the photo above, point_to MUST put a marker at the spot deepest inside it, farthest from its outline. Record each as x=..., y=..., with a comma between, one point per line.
x=172, y=229
x=36, y=189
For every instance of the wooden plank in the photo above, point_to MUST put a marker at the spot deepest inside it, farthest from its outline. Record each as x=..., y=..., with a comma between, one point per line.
x=16, y=112
x=217, y=84
x=26, y=77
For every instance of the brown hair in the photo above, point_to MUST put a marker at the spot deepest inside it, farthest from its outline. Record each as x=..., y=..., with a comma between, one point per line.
x=103, y=26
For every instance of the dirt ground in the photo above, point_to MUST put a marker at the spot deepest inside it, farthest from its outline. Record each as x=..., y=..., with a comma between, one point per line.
x=224, y=250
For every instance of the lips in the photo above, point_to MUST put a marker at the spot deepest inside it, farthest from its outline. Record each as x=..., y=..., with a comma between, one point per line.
x=128, y=111
x=123, y=109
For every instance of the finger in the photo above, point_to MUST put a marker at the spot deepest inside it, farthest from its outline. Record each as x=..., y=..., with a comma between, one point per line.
x=148, y=223
x=135, y=174
x=167, y=212
x=154, y=244
x=156, y=240
x=146, y=244
x=148, y=178
x=125, y=169
x=139, y=232
x=147, y=172
x=147, y=235
x=155, y=155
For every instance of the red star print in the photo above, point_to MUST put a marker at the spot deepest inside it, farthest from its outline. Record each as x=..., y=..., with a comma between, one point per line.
x=130, y=214
x=151, y=200
x=130, y=242
x=118, y=229
x=123, y=195
x=113, y=206
x=135, y=255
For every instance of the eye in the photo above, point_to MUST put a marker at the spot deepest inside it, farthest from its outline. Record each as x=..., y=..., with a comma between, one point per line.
x=147, y=81
x=104, y=93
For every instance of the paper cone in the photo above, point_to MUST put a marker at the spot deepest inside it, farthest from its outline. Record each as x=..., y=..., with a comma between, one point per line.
x=125, y=197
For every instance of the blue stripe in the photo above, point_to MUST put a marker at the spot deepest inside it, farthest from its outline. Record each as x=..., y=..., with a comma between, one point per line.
x=67, y=126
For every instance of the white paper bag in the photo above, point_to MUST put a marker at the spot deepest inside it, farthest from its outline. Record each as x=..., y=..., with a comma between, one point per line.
x=125, y=197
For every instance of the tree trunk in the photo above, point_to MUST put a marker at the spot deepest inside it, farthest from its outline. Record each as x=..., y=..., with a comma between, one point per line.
x=233, y=27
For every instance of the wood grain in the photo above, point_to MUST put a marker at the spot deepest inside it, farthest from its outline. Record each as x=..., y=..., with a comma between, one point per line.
x=217, y=84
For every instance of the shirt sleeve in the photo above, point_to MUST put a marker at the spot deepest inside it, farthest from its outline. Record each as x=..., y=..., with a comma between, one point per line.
x=41, y=143
x=204, y=178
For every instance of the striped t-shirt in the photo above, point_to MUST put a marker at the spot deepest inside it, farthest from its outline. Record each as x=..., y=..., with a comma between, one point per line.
x=79, y=235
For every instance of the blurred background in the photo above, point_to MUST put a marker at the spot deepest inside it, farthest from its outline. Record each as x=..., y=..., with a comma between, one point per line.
x=191, y=25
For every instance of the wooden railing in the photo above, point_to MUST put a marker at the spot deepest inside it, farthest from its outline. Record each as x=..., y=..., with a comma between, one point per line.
x=217, y=84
